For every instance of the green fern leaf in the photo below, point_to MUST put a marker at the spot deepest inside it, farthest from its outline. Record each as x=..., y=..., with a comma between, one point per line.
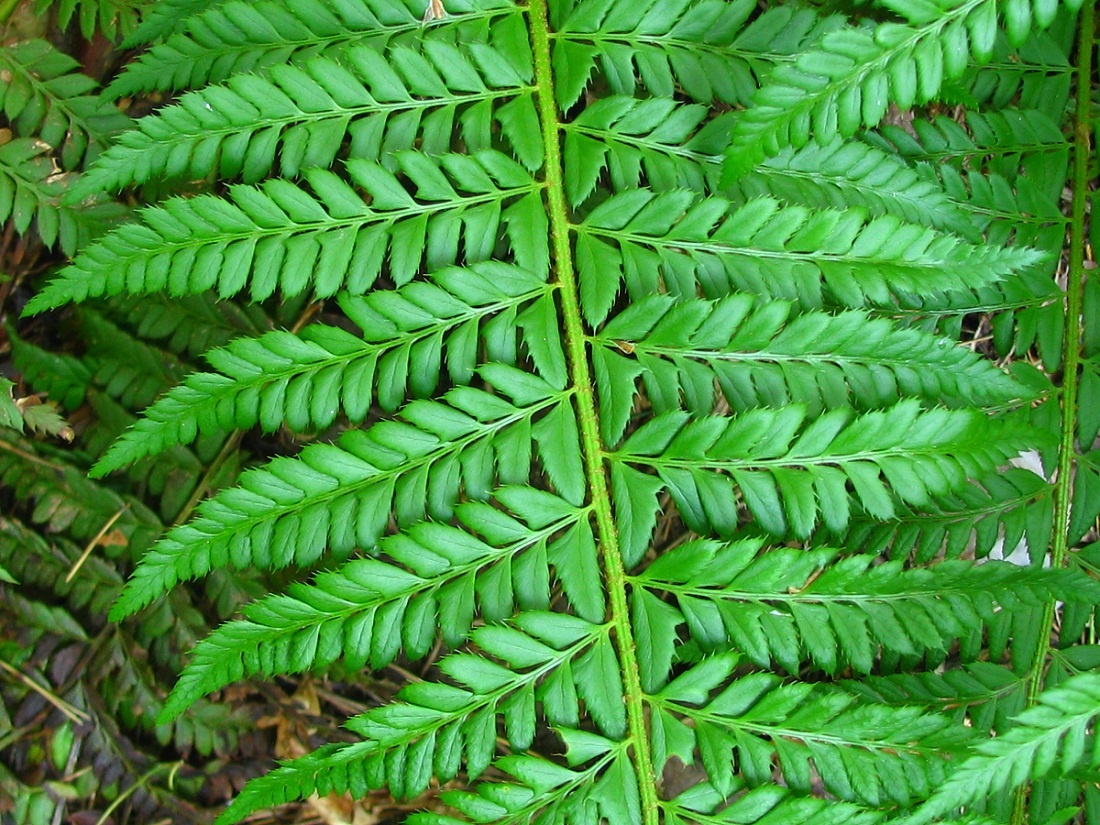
x=44, y=96
x=279, y=236
x=790, y=474
x=672, y=145
x=32, y=192
x=841, y=611
x=300, y=116
x=111, y=17
x=445, y=726
x=854, y=74
x=327, y=370
x=847, y=174
x=771, y=250
x=161, y=20
x=369, y=610
x=700, y=48
x=208, y=42
x=867, y=754
x=764, y=354
x=337, y=497
x=1049, y=735
x=575, y=351
x=764, y=804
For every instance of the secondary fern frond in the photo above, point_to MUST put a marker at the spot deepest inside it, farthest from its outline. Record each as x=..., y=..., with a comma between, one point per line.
x=1008, y=507
x=848, y=81
x=552, y=658
x=301, y=116
x=44, y=96
x=843, y=174
x=765, y=804
x=211, y=44
x=188, y=324
x=111, y=17
x=770, y=250
x=989, y=695
x=338, y=497
x=1052, y=734
x=65, y=500
x=873, y=755
x=162, y=19
x=369, y=610
x=280, y=237
x=672, y=145
x=407, y=337
x=763, y=354
x=32, y=192
x=791, y=473
x=786, y=604
x=702, y=50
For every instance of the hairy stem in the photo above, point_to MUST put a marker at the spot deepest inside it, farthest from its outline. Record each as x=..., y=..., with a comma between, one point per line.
x=591, y=444
x=1082, y=141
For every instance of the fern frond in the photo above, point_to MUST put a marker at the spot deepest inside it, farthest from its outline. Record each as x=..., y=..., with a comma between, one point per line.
x=66, y=501
x=1006, y=143
x=44, y=96
x=305, y=381
x=1007, y=507
x=189, y=325
x=37, y=619
x=113, y=18
x=988, y=695
x=96, y=583
x=849, y=79
x=1001, y=169
x=793, y=253
x=1049, y=736
x=369, y=610
x=845, y=174
x=32, y=192
x=128, y=368
x=702, y=50
x=764, y=804
x=279, y=236
x=64, y=378
x=162, y=19
x=171, y=476
x=763, y=354
x=791, y=472
x=1038, y=74
x=338, y=497
x=439, y=728
x=34, y=561
x=205, y=43
x=231, y=38
x=1004, y=172
x=546, y=790
x=672, y=145
x=301, y=116
x=873, y=755
x=840, y=611
x=130, y=691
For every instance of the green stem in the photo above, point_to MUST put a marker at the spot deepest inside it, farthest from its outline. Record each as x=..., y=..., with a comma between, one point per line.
x=581, y=374
x=1082, y=140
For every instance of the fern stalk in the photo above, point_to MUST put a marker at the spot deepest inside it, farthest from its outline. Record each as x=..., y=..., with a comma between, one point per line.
x=591, y=442
x=1082, y=141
